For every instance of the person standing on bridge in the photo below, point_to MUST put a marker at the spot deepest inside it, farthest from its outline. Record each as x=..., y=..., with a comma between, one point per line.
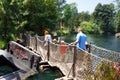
x=47, y=38
x=80, y=39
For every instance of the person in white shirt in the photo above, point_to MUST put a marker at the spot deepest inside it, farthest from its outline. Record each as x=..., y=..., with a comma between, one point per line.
x=47, y=38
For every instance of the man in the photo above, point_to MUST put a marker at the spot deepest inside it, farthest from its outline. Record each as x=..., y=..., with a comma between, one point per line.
x=80, y=39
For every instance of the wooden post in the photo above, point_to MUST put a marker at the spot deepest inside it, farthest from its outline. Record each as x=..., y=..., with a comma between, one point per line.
x=48, y=52
x=74, y=61
x=8, y=47
x=36, y=42
x=89, y=48
x=73, y=65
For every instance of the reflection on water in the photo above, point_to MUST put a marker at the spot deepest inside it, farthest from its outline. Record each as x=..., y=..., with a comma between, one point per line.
x=106, y=41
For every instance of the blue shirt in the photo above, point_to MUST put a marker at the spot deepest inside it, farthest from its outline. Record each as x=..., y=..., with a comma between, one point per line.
x=81, y=37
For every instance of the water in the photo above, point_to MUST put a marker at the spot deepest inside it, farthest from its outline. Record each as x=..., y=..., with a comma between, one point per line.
x=46, y=75
x=109, y=42
x=6, y=67
x=106, y=41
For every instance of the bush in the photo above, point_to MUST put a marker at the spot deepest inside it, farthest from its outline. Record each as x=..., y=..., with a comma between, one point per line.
x=107, y=71
x=2, y=44
x=90, y=27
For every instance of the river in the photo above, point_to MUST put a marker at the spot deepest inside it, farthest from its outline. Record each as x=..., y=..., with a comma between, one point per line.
x=109, y=42
x=46, y=75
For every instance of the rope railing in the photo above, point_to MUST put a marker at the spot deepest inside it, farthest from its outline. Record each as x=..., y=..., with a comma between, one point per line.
x=104, y=53
x=75, y=63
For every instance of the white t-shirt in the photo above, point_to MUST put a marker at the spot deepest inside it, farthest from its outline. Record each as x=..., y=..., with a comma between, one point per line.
x=47, y=38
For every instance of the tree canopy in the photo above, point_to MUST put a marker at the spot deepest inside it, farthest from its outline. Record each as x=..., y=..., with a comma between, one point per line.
x=18, y=16
x=104, y=17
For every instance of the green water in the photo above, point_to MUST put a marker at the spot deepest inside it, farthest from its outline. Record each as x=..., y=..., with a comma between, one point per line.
x=5, y=69
x=109, y=42
x=46, y=75
x=106, y=41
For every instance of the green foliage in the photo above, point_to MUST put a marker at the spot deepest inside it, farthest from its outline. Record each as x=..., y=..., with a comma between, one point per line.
x=84, y=16
x=89, y=27
x=117, y=22
x=106, y=71
x=41, y=15
x=9, y=17
x=70, y=16
x=2, y=43
x=18, y=16
x=12, y=36
x=117, y=16
x=104, y=17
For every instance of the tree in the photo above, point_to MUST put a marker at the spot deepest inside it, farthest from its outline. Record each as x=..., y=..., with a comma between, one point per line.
x=41, y=15
x=89, y=27
x=9, y=11
x=117, y=16
x=70, y=16
x=104, y=17
x=84, y=16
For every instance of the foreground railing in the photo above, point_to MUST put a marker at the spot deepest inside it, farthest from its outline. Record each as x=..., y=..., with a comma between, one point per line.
x=104, y=53
x=76, y=63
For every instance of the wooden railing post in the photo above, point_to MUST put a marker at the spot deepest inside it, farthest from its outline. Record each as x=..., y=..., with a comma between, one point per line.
x=74, y=60
x=48, y=52
x=28, y=40
x=89, y=47
x=36, y=42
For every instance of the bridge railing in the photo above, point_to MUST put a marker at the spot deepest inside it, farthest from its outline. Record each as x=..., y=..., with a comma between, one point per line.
x=89, y=66
x=58, y=55
x=61, y=53
x=62, y=56
x=104, y=53
x=75, y=63
x=41, y=50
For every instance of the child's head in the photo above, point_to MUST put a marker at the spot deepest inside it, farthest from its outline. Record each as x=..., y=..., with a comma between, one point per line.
x=46, y=32
x=62, y=42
